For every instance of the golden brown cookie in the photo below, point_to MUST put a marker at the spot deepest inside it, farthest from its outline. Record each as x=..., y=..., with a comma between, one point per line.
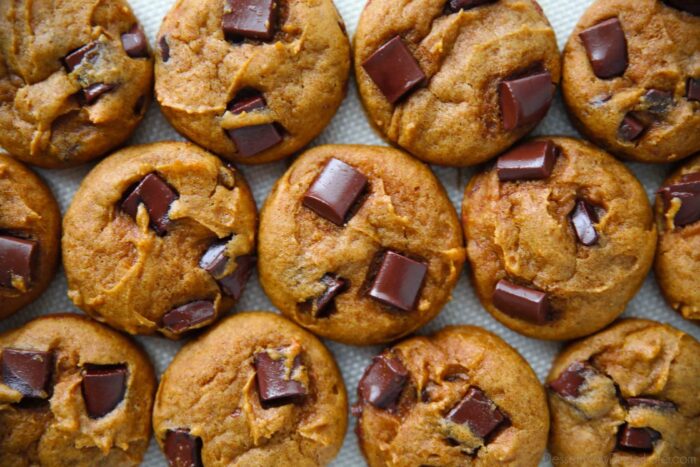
x=460, y=397
x=631, y=78
x=30, y=229
x=678, y=253
x=626, y=396
x=73, y=392
x=75, y=79
x=254, y=390
x=560, y=237
x=359, y=244
x=161, y=238
x=438, y=79
x=252, y=87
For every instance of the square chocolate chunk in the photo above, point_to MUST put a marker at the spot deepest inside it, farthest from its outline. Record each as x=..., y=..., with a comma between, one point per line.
x=394, y=70
x=335, y=191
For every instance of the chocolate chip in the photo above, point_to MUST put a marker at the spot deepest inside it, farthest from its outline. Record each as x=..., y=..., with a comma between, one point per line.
x=529, y=161
x=521, y=302
x=688, y=192
x=394, y=70
x=525, y=100
x=335, y=285
x=73, y=59
x=247, y=104
x=569, y=382
x=157, y=196
x=456, y=5
x=164, y=48
x=335, y=191
x=182, y=449
x=478, y=412
x=276, y=385
x=28, y=372
x=606, y=47
x=252, y=140
x=658, y=101
x=650, y=403
x=251, y=19
x=692, y=90
x=187, y=316
x=135, y=43
x=689, y=6
x=233, y=284
x=631, y=128
x=17, y=260
x=398, y=281
x=583, y=219
x=383, y=381
x=93, y=92
x=103, y=388
x=637, y=439
x=214, y=260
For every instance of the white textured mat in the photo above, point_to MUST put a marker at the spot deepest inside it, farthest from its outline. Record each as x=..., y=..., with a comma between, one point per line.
x=350, y=126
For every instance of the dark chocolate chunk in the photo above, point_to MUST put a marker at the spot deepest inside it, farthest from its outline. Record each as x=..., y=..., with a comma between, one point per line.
x=637, y=439
x=276, y=385
x=93, y=92
x=478, y=412
x=383, y=381
x=394, y=70
x=187, y=316
x=251, y=19
x=583, y=219
x=521, y=302
x=529, y=161
x=164, y=48
x=28, y=372
x=103, y=387
x=335, y=191
x=247, y=104
x=135, y=43
x=606, y=47
x=692, y=90
x=689, y=6
x=252, y=140
x=525, y=100
x=182, y=449
x=569, y=382
x=157, y=196
x=658, y=101
x=214, y=260
x=399, y=281
x=631, y=128
x=17, y=260
x=334, y=286
x=688, y=192
x=456, y=5
x=233, y=284
x=73, y=59
x=650, y=403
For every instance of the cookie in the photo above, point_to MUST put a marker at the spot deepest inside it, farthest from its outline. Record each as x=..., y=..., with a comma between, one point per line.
x=626, y=396
x=439, y=80
x=30, y=228
x=560, y=237
x=254, y=390
x=75, y=79
x=359, y=244
x=678, y=219
x=159, y=238
x=459, y=397
x=252, y=80
x=631, y=78
x=73, y=392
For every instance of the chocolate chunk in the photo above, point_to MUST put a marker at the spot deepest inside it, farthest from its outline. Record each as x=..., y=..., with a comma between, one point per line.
x=334, y=286
x=689, y=6
x=521, y=302
x=398, y=281
x=569, y=382
x=276, y=385
x=93, y=92
x=73, y=59
x=135, y=43
x=525, y=100
x=583, y=219
x=157, y=196
x=335, y=191
x=631, y=128
x=394, y=70
x=233, y=284
x=214, y=260
x=692, y=90
x=251, y=19
x=182, y=449
x=28, y=372
x=252, y=140
x=456, y=5
x=247, y=104
x=606, y=47
x=658, y=101
x=637, y=439
x=650, y=403
x=688, y=192
x=383, y=381
x=478, y=412
x=187, y=316
x=103, y=387
x=17, y=260
x=529, y=161
x=164, y=48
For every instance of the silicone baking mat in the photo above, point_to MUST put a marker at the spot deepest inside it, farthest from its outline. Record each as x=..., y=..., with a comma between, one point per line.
x=350, y=126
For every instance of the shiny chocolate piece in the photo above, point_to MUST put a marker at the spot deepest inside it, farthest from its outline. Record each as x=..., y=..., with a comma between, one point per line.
x=569, y=382
x=637, y=439
x=529, y=161
x=383, y=381
x=164, y=48
x=182, y=449
x=456, y=5
x=335, y=285
x=335, y=191
x=185, y=317
x=157, y=196
x=606, y=47
x=692, y=89
x=249, y=19
x=689, y=6
x=631, y=128
x=252, y=140
x=247, y=104
x=658, y=101
x=73, y=59
x=214, y=260
x=93, y=92
x=650, y=403
x=394, y=70
x=688, y=192
x=135, y=43
x=478, y=412
x=521, y=302
x=103, y=388
x=525, y=100
x=233, y=284
x=399, y=281
x=583, y=219
x=18, y=257
x=27, y=372
x=276, y=385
